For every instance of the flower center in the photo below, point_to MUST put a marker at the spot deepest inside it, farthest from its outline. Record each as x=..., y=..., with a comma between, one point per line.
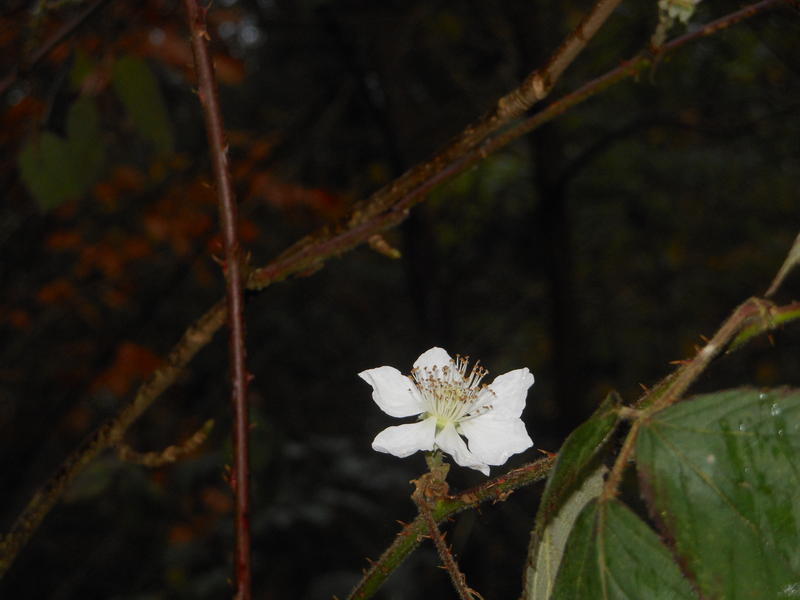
x=450, y=392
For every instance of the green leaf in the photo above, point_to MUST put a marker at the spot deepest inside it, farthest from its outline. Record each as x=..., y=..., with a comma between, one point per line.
x=721, y=474
x=82, y=65
x=31, y=164
x=137, y=88
x=55, y=169
x=47, y=169
x=85, y=142
x=574, y=481
x=540, y=576
x=613, y=555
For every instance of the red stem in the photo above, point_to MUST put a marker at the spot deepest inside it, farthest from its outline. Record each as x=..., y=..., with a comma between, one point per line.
x=240, y=479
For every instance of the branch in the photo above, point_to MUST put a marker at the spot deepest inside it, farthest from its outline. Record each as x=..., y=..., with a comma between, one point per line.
x=311, y=253
x=629, y=68
x=449, y=562
x=27, y=64
x=212, y=114
x=168, y=455
x=535, y=87
x=411, y=535
x=389, y=206
x=755, y=315
x=109, y=434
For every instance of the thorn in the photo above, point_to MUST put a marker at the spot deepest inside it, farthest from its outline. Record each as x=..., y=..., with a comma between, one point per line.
x=704, y=338
x=547, y=453
x=402, y=523
x=645, y=389
x=378, y=243
x=771, y=339
x=679, y=362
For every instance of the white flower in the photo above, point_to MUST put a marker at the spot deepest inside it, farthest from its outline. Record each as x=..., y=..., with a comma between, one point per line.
x=678, y=9
x=451, y=403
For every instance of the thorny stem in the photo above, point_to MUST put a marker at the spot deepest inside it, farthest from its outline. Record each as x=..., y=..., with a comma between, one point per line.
x=753, y=311
x=430, y=489
x=240, y=479
x=449, y=562
x=624, y=71
x=534, y=88
x=496, y=490
x=311, y=252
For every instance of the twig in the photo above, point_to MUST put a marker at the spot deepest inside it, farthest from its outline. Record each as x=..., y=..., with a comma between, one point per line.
x=535, y=87
x=398, y=197
x=449, y=562
x=625, y=70
x=212, y=114
x=411, y=535
x=791, y=261
x=308, y=253
x=109, y=434
x=168, y=455
x=753, y=313
x=27, y=64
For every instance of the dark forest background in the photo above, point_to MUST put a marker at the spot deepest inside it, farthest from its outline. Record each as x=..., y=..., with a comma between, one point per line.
x=593, y=251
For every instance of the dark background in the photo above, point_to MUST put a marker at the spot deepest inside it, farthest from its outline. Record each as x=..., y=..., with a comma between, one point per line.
x=593, y=251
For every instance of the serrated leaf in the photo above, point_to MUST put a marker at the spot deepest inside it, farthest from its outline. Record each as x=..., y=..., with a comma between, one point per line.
x=138, y=90
x=613, y=555
x=721, y=474
x=572, y=483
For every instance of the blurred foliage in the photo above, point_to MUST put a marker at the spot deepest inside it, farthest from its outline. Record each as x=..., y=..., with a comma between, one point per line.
x=137, y=88
x=55, y=168
x=594, y=251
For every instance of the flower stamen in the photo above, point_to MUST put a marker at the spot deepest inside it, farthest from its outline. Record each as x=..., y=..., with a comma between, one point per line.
x=450, y=393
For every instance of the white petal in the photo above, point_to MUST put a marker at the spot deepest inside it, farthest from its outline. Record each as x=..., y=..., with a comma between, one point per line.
x=449, y=441
x=493, y=439
x=404, y=440
x=435, y=357
x=510, y=391
x=393, y=392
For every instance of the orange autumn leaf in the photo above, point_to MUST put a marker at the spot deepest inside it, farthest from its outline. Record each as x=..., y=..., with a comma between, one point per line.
x=103, y=257
x=64, y=240
x=18, y=318
x=131, y=364
x=136, y=248
x=248, y=231
x=287, y=196
x=56, y=292
x=217, y=501
x=171, y=46
x=180, y=534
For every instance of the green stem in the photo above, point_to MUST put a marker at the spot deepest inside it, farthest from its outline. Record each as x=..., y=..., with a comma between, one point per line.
x=411, y=535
